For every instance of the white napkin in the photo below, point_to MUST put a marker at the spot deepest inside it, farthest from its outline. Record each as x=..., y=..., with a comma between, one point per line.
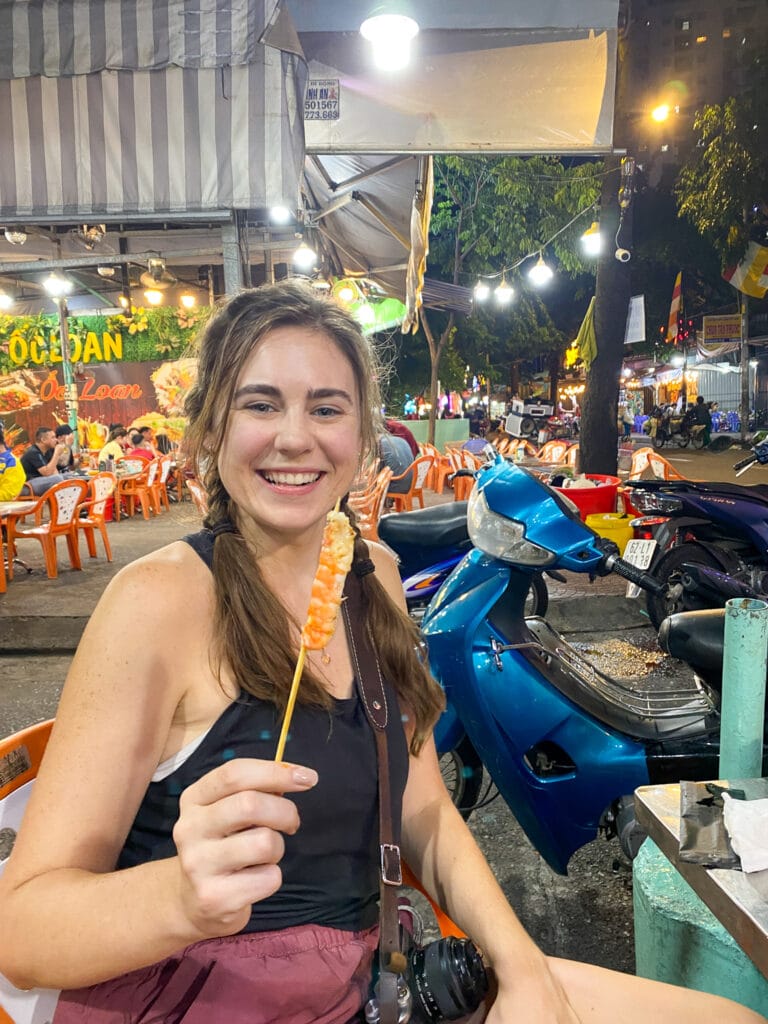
x=746, y=822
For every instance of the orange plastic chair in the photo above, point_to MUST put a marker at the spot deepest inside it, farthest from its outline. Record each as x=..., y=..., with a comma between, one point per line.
x=440, y=471
x=553, y=451
x=662, y=469
x=63, y=501
x=3, y=582
x=138, y=488
x=418, y=470
x=99, y=489
x=368, y=505
x=160, y=486
x=20, y=755
x=572, y=456
x=198, y=495
x=639, y=462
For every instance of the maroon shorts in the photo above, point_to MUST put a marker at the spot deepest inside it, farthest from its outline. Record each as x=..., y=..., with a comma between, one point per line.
x=303, y=975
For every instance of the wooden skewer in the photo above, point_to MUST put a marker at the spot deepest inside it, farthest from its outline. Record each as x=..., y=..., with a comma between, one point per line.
x=291, y=703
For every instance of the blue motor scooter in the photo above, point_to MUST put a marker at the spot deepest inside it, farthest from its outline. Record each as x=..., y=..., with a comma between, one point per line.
x=565, y=744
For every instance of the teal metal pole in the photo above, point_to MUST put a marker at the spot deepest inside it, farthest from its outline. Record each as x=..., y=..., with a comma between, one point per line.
x=743, y=697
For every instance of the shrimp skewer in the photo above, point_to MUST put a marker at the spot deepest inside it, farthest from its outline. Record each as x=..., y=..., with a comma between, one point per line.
x=325, y=600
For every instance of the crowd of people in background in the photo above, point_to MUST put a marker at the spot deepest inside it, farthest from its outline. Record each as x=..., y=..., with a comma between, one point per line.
x=52, y=457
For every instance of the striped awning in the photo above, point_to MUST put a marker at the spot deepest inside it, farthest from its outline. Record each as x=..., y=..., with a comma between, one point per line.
x=121, y=107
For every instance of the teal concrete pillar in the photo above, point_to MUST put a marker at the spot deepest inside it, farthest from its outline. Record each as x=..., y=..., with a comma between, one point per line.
x=742, y=707
x=679, y=940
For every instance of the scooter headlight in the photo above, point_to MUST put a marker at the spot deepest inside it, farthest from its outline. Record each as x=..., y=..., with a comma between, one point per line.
x=501, y=537
x=654, y=501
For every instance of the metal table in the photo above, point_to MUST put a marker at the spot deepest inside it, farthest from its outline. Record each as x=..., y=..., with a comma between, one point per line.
x=739, y=901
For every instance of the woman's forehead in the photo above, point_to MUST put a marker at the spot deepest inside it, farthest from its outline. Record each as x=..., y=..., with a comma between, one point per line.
x=293, y=352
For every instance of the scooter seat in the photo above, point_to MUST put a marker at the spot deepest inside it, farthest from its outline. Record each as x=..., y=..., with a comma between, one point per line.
x=753, y=492
x=441, y=526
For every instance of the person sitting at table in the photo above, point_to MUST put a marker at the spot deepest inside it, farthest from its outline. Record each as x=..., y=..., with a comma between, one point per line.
x=40, y=461
x=12, y=476
x=140, y=449
x=65, y=435
x=395, y=452
x=116, y=446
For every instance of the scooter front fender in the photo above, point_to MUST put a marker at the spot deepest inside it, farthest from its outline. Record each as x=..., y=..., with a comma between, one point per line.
x=512, y=712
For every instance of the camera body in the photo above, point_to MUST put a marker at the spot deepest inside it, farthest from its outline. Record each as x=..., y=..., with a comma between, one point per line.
x=623, y=255
x=444, y=980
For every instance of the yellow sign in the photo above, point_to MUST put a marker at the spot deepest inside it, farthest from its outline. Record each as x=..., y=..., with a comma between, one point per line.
x=39, y=350
x=722, y=328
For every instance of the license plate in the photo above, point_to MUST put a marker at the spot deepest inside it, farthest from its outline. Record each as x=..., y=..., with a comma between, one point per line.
x=639, y=553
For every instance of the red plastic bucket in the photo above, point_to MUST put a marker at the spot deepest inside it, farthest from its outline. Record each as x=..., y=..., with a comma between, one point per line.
x=591, y=500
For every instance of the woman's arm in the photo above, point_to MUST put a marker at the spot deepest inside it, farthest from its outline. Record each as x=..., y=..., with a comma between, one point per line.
x=69, y=919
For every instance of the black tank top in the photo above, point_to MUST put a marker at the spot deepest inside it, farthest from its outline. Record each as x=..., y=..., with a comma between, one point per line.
x=330, y=867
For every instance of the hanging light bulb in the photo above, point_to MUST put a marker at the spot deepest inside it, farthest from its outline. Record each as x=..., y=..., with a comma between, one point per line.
x=280, y=215
x=504, y=292
x=57, y=286
x=153, y=296
x=124, y=301
x=540, y=274
x=390, y=36
x=6, y=300
x=592, y=240
x=304, y=257
x=482, y=291
x=187, y=300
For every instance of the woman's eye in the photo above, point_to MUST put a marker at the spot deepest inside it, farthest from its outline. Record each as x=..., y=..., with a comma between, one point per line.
x=260, y=407
x=326, y=410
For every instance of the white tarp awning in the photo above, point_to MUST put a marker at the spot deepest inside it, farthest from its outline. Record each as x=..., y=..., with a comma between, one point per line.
x=494, y=77
x=128, y=107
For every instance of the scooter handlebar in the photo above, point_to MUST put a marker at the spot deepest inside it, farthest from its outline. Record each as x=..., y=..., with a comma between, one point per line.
x=634, y=575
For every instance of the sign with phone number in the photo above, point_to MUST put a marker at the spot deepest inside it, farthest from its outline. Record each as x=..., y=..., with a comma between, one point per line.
x=322, y=100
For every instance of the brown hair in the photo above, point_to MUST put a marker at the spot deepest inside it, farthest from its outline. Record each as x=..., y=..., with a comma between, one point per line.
x=252, y=627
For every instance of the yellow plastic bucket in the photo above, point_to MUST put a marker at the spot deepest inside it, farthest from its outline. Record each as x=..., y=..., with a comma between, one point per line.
x=616, y=526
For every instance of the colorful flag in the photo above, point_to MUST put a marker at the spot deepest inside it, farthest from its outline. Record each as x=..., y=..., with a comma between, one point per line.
x=586, y=339
x=751, y=275
x=674, y=309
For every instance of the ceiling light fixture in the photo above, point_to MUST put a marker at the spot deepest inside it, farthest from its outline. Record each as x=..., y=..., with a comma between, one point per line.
x=153, y=296
x=15, y=236
x=187, y=300
x=391, y=36
x=304, y=258
x=280, y=215
x=57, y=286
x=105, y=270
x=6, y=300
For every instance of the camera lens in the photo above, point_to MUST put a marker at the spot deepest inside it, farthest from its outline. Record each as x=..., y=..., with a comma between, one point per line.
x=447, y=980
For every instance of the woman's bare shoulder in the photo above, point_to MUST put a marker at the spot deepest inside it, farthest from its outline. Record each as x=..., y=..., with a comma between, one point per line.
x=159, y=576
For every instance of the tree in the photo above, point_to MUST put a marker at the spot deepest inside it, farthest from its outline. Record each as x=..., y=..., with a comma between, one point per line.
x=490, y=213
x=723, y=188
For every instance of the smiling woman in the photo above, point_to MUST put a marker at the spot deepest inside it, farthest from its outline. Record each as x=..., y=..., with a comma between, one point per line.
x=203, y=879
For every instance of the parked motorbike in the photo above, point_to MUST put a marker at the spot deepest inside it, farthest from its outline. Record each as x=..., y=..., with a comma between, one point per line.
x=666, y=428
x=565, y=744
x=429, y=544
x=713, y=544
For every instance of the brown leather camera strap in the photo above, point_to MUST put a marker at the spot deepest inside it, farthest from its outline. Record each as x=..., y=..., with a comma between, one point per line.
x=374, y=698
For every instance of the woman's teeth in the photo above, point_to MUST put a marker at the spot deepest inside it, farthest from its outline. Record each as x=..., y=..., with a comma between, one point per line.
x=291, y=479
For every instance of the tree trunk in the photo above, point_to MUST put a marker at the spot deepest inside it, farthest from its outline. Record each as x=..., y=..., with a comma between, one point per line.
x=554, y=376
x=435, y=353
x=599, y=431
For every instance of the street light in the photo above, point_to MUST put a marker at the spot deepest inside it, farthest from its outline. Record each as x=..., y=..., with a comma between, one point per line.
x=58, y=288
x=661, y=112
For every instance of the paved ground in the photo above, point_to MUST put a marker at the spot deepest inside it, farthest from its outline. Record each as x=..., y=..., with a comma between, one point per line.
x=587, y=915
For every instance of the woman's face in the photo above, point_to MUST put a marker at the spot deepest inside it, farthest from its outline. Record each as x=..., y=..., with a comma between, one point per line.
x=292, y=441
